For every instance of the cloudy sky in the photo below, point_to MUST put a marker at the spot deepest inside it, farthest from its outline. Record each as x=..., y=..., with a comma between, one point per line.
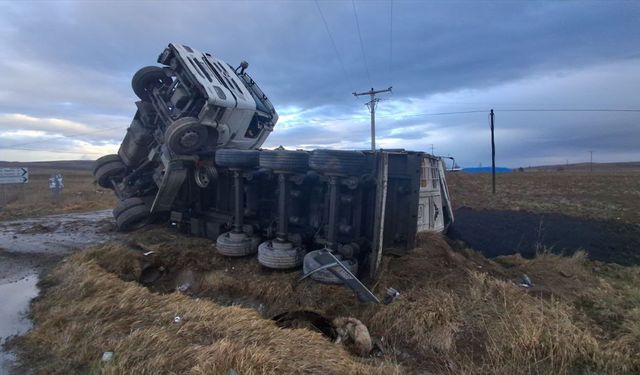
x=66, y=68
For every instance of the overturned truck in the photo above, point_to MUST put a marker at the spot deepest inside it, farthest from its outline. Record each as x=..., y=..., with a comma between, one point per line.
x=192, y=157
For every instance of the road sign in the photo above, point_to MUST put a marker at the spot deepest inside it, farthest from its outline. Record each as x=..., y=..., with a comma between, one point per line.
x=14, y=180
x=14, y=175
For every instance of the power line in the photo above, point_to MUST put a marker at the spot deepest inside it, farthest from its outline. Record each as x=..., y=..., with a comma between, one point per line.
x=569, y=110
x=391, y=41
x=401, y=115
x=333, y=43
x=364, y=57
x=435, y=113
x=477, y=111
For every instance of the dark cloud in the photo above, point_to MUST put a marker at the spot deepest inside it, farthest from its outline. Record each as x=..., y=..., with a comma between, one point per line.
x=72, y=61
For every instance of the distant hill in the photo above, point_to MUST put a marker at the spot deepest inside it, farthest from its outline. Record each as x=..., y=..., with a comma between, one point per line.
x=583, y=167
x=63, y=165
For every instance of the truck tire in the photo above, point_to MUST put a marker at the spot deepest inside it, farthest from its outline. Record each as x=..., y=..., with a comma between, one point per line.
x=131, y=214
x=146, y=78
x=337, y=162
x=285, y=161
x=108, y=167
x=185, y=135
x=325, y=276
x=242, y=159
x=233, y=245
x=280, y=256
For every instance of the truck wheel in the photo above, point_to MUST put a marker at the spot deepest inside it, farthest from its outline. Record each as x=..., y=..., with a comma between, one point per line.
x=146, y=78
x=107, y=167
x=232, y=158
x=337, y=162
x=131, y=214
x=236, y=244
x=285, y=161
x=280, y=256
x=325, y=276
x=185, y=135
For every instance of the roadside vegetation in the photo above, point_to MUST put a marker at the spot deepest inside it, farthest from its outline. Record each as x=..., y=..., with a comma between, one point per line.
x=602, y=195
x=35, y=199
x=458, y=312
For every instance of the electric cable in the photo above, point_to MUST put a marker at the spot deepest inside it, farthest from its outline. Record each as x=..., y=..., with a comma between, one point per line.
x=364, y=57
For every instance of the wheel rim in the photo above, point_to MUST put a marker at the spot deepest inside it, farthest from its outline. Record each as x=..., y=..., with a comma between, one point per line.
x=189, y=139
x=202, y=177
x=186, y=138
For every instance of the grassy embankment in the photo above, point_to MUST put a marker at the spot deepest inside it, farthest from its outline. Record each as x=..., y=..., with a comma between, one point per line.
x=459, y=313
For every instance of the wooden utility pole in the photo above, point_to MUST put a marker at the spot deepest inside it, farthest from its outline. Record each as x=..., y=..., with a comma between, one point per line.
x=372, y=108
x=590, y=160
x=493, y=155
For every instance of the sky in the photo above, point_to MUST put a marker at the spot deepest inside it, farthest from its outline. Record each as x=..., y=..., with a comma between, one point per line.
x=65, y=86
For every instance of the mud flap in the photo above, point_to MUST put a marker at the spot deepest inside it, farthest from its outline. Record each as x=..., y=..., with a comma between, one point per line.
x=329, y=262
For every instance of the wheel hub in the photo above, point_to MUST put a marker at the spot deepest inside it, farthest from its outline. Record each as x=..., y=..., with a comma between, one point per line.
x=189, y=139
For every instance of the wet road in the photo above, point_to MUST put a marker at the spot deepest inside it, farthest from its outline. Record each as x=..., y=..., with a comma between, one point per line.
x=26, y=248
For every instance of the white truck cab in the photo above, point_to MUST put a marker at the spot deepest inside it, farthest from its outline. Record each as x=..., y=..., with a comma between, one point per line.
x=233, y=103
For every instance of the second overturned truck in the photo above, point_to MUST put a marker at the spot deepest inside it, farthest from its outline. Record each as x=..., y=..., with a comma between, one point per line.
x=192, y=157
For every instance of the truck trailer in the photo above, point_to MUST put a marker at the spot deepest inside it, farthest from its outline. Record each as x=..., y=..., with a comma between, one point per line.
x=192, y=157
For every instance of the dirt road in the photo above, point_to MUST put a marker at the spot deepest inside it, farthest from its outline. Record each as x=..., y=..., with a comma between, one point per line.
x=27, y=247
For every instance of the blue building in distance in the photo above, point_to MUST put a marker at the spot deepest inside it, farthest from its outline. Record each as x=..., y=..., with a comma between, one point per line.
x=486, y=170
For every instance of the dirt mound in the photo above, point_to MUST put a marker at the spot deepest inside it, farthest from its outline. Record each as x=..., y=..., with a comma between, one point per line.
x=497, y=232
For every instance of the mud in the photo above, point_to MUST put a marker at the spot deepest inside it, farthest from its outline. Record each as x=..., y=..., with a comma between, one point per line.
x=27, y=248
x=59, y=234
x=16, y=296
x=497, y=232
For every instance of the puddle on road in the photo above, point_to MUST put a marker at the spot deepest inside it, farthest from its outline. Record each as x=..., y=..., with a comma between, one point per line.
x=13, y=313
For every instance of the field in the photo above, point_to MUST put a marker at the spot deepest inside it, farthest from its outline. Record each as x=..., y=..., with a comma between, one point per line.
x=601, y=195
x=35, y=199
x=458, y=313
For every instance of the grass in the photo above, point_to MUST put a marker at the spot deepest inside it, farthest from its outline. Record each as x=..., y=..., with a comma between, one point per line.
x=613, y=195
x=459, y=313
x=35, y=199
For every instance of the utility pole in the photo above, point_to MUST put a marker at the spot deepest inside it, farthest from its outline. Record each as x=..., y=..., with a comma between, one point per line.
x=493, y=155
x=590, y=160
x=372, y=108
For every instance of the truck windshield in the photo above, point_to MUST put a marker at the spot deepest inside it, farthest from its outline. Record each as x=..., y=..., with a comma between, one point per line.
x=262, y=102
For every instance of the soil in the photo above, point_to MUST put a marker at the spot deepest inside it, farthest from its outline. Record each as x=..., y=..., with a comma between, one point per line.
x=501, y=232
x=28, y=248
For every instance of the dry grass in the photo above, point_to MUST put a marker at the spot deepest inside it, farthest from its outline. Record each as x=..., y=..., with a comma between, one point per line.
x=458, y=313
x=87, y=311
x=611, y=195
x=35, y=199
